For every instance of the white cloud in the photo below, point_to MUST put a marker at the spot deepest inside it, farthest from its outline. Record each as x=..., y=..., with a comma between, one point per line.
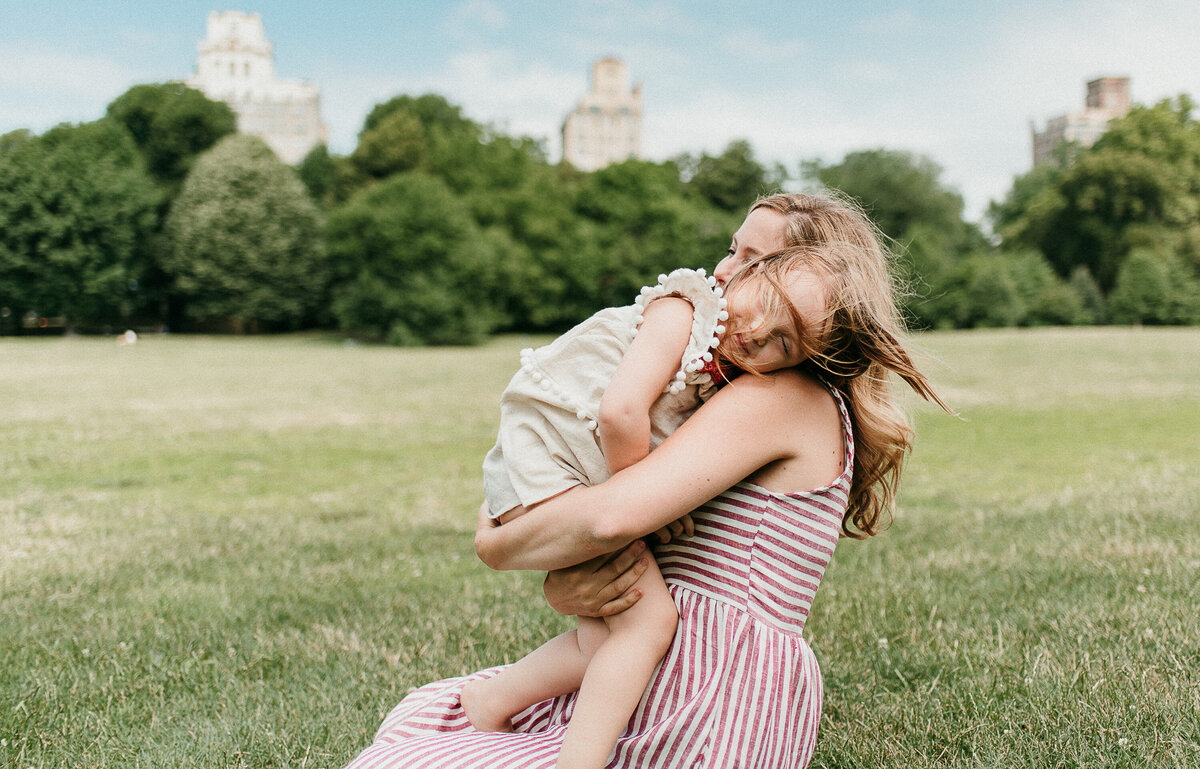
x=475, y=17
x=41, y=87
x=35, y=68
x=519, y=95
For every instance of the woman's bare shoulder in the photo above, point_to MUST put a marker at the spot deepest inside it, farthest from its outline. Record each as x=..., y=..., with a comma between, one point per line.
x=798, y=414
x=789, y=389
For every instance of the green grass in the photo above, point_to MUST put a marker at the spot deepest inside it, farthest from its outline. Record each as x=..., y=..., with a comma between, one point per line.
x=242, y=552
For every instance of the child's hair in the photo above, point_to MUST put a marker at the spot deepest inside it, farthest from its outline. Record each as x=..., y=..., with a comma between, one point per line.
x=857, y=342
x=830, y=217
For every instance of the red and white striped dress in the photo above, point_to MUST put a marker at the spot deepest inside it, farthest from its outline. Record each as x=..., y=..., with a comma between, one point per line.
x=738, y=688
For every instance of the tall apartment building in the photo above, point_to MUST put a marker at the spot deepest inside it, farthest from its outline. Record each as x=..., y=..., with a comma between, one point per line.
x=236, y=65
x=606, y=125
x=1107, y=98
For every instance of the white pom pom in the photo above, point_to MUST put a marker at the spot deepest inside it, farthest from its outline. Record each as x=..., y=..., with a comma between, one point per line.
x=581, y=414
x=536, y=375
x=700, y=272
x=707, y=357
x=680, y=376
x=720, y=329
x=591, y=425
x=714, y=342
x=712, y=281
x=719, y=292
x=662, y=278
x=723, y=315
x=545, y=383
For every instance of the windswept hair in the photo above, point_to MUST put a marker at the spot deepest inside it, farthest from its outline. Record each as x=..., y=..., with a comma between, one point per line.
x=856, y=345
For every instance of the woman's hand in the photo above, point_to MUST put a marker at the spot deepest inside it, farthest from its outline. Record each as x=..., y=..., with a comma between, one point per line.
x=676, y=528
x=600, y=587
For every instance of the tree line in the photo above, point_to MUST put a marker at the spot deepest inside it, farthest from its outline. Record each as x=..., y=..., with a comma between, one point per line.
x=439, y=230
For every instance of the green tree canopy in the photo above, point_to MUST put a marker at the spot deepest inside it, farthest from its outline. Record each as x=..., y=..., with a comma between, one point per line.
x=172, y=124
x=899, y=190
x=645, y=224
x=903, y=194
x=1139, y=184
x=732, y=180
x=76, y=209
x=413, y=266
x=246, y=239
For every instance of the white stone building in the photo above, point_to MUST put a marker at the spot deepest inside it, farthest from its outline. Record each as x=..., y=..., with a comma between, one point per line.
x=236, y=65
x=1107, y=98
x=606, y=126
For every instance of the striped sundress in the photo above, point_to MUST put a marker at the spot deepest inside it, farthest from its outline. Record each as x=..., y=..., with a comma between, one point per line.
x=739, y=686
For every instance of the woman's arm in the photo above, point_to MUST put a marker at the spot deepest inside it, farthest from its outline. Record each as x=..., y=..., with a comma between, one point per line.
x=644, y=372
x=753, y=422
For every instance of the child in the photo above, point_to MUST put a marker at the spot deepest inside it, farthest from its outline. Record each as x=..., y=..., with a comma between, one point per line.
x=593, y=402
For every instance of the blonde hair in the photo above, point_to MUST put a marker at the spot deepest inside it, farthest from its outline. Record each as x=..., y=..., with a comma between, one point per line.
x=830, y=217
x=856, y=344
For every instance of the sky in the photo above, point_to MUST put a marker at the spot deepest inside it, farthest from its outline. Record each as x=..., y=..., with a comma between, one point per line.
x=958, y=81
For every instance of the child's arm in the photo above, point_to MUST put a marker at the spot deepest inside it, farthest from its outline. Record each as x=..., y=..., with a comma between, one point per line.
x=647, y=368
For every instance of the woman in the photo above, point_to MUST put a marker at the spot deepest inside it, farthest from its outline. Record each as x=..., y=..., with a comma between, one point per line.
x=771, y=470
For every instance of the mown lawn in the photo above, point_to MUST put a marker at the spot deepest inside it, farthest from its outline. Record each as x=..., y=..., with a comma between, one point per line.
x=229, y=552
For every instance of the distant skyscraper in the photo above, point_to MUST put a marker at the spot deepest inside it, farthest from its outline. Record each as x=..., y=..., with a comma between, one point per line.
x=606, y=126
x=1107, y=98
x=236, y=65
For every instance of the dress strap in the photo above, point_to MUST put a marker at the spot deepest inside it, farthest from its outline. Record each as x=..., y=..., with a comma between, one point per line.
x=847, y=422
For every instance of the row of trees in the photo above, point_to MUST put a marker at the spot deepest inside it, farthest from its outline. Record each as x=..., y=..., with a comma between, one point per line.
x=437, y=229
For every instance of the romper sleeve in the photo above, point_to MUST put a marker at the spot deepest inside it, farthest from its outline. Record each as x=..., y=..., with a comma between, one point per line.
x=708, y=320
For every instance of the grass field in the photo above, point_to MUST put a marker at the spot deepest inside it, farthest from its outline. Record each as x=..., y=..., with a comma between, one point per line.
x=243, y=551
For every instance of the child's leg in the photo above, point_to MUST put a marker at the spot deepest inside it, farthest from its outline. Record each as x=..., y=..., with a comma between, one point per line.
x=556, y=667
x=618, y=673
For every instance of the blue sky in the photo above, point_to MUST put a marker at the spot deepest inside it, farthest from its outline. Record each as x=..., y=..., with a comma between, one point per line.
x=956, y=81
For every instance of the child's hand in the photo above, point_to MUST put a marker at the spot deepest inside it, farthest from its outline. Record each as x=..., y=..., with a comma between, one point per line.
x=673, y=529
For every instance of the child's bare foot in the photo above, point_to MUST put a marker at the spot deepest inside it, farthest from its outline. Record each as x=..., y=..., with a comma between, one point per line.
x=476, y=705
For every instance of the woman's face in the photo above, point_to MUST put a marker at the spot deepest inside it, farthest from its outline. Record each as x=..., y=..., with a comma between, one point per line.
x=763, y=232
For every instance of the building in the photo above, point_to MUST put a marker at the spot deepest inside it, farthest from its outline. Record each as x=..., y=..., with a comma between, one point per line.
x=606, y=125
x=236, y=65
x=1107, y=98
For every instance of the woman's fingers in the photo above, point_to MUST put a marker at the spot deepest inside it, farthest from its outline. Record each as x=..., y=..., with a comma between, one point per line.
x=620, y=604
x=621, y=573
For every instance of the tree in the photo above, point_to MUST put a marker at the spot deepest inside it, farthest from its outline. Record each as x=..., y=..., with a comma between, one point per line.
x=395, y=143
x=899, y=190
x=318, y=173
x=1140, y=180
x=734, y=179
x=645, y=224
x=246, y=240
x=1091, y=298
x=413, y=267
x=76, y=210
x=902, y=193
x=993, y=298
x=172, y=124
